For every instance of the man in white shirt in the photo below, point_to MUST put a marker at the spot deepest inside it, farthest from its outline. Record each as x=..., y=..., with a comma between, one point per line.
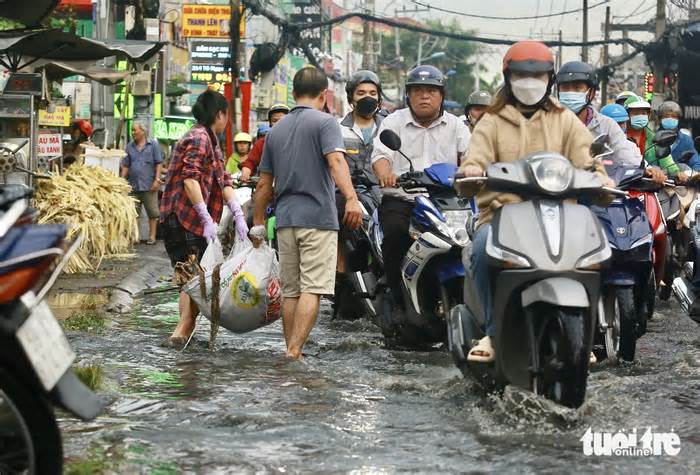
x=428, y=135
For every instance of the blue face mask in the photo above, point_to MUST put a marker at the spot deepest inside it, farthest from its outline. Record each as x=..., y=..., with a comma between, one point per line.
x=639, y=121
x=669, y=124
x=574, y=100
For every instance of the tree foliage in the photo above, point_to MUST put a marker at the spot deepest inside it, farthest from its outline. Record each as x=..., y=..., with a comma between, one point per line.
x=458, y=62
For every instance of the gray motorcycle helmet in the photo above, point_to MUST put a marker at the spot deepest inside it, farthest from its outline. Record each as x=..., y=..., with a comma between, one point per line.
x=670, y=107
x=477, y=98
x=361, y=77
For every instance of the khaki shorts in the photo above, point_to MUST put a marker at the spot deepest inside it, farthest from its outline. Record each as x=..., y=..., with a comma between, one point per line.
x=307, y=261
x=149, y=199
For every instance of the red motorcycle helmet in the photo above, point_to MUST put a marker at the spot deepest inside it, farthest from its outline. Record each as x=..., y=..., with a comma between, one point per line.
x=84, y=126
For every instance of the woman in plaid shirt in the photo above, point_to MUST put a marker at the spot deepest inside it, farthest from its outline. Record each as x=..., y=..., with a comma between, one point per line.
x=196, y=189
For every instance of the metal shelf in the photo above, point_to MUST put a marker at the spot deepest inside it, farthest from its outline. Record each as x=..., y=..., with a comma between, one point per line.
x=15, y=116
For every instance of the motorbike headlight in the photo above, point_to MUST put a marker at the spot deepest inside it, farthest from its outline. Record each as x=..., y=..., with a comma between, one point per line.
x=456, y=221
x=645, y=240
x=552, y=173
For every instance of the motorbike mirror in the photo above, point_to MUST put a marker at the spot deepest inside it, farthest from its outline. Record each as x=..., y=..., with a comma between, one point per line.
x=697, y=144
x=393, y=141
x=599, y=144
x=686, y=156
x=665, y=138
x=390, y=139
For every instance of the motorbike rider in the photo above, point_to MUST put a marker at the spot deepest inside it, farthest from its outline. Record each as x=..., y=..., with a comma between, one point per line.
x=670, y=114
x=577, y=84
x=477, y=102
x=619, y=114
x=522, y=119
x=250, y=166
x=241, y=148
x=359, y=128
x=429, y=135
x=642, y=135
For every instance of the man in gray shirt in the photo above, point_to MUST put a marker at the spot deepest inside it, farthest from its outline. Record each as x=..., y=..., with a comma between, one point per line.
x=304, y=156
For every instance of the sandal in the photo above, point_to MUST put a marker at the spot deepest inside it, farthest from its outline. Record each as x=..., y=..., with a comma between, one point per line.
x=151, y=242
x=483, y=352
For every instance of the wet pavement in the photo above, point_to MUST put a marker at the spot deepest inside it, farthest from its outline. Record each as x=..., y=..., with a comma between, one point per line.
x=354, y=406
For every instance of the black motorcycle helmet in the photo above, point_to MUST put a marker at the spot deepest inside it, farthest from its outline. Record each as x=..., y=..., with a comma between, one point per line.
x=577, y=71
x=425, y=75
x=360, y=77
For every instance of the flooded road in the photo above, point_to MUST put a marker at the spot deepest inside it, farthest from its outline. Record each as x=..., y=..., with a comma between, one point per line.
x=354, y=406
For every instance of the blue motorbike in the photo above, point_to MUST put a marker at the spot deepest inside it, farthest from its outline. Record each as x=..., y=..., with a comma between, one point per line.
x=628, y=282
x=432, y=271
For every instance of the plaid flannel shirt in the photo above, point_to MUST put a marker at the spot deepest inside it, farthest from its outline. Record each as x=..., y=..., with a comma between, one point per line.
x=199, y=157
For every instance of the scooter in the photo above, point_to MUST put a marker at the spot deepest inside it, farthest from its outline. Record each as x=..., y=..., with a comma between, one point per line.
x=546, y=255
x=687, y=285
x=628, y=282
x=361, y=250
x=432, y=271
x=35, y=356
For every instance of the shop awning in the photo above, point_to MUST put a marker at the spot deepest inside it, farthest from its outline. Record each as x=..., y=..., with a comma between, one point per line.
x=56, y=70
x=19, y=48
x=29, y=13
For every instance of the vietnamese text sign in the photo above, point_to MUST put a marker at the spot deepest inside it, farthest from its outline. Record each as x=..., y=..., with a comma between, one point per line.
x=208, y=73
x=210, y=51
x=60, y=117
x=170, y=128
x=207, y=21
x=308, y=11
x=49, y=145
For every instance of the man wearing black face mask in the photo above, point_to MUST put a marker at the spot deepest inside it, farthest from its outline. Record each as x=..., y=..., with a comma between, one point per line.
x=359, y=127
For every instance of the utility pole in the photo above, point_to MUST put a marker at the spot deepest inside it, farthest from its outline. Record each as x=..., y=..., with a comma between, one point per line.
x=659, y=70
x=584, y=48
x=368, y=38
x=399, y=68
x=606, y=60
x=234, y=31
x=560, y=53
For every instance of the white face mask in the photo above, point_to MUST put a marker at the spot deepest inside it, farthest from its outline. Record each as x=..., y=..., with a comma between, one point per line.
x=529, y=91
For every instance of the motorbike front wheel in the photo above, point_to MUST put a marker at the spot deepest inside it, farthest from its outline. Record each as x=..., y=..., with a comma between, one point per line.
x=623, y=303
x=30, y=441
x=611, y=318
x=563, y=357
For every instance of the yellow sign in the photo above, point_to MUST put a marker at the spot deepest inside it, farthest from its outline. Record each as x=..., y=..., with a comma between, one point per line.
x=208, y=21
x=60, y=117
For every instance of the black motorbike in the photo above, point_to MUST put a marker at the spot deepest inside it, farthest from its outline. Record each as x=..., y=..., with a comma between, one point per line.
x=362, y=253
x=35, y=356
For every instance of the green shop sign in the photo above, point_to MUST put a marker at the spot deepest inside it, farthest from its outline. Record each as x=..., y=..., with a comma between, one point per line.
x=171, y=128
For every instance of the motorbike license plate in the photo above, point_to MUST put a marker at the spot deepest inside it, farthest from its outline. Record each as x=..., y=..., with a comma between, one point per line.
x=45, y=345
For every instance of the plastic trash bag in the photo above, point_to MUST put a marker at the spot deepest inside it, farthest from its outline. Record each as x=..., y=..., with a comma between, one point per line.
x=213, y=255
x=250, y=294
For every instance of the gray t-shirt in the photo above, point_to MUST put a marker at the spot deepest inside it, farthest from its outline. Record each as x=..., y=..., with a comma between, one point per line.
x=294, y=154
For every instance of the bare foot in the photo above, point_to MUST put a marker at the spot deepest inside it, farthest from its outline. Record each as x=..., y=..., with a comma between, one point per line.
x=295, y=355
x=183, y=330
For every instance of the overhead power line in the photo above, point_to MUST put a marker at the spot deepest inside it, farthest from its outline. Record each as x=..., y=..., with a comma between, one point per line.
x=487, y=17
x=292, y=34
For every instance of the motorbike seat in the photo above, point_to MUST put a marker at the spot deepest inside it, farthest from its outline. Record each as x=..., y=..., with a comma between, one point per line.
x=9, y=193
x=25, y=241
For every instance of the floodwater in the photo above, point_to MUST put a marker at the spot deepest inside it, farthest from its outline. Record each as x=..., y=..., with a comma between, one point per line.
x=354, y=406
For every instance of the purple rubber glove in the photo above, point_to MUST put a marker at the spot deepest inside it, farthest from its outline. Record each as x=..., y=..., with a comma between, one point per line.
x=210, y=228
x=239, y=218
